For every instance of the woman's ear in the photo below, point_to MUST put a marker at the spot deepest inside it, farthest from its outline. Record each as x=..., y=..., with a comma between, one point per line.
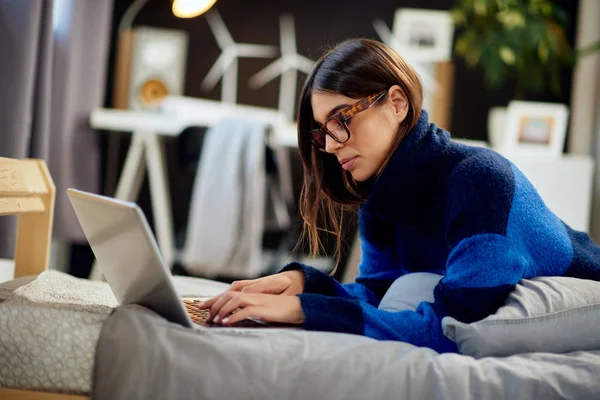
x=399, y=102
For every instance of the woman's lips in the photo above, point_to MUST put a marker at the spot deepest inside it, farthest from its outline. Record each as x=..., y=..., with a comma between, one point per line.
x=349, y=163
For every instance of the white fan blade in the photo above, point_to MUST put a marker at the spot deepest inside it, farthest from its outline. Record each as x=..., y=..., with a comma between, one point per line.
x=255, y=50
x=215, y=72
x=219, y=29
x=287, y=93
x=267, y=74
x=303, y=64
x=229, y=83
x=288, y=34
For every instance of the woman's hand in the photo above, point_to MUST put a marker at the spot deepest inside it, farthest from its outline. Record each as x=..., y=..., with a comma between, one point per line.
x=233, y=306
x=288, y=283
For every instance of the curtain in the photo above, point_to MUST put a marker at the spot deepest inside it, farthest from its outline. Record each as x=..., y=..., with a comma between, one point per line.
x=52, y=75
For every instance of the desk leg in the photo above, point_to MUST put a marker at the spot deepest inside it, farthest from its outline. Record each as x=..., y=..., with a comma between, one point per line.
x=131, y=178
x=129, y=184
x=160, y=195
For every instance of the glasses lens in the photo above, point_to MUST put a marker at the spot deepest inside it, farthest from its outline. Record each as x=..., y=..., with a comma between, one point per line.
x=318, y=138
x=337, y=130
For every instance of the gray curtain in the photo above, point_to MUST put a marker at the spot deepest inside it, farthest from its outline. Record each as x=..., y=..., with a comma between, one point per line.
x=52, y=75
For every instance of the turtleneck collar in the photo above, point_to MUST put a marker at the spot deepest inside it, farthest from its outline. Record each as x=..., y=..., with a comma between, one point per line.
x=401, y=191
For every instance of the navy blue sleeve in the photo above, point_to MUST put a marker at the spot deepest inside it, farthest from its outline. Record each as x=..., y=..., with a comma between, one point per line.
x=330, y=306
x=422, y=327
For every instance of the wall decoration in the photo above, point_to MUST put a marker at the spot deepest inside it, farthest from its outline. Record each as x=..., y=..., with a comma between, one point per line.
x=425, y=35
x=226, y=66
x=534, y=128
x=285, y=66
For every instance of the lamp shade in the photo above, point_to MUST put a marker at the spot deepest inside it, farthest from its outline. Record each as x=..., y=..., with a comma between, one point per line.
x=191, y=8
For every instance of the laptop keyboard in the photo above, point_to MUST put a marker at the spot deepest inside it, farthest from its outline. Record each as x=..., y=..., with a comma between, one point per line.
x=200, y=317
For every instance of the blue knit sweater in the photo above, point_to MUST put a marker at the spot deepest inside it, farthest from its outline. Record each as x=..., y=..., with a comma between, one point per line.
x=463, y=212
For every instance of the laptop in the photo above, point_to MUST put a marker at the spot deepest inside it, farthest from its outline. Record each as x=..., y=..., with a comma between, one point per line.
x=127, y=253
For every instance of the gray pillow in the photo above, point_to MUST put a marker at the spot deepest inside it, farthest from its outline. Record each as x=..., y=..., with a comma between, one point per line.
x=544, y=314
x=408, y=291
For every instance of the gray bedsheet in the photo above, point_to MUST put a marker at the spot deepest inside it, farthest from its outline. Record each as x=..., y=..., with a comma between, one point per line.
x=142, y=356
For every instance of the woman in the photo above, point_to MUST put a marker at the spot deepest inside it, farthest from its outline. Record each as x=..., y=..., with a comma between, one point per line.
x=426, y=205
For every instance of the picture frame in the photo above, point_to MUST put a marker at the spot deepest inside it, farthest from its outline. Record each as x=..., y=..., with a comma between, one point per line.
x=424, y=35
x=535, y=128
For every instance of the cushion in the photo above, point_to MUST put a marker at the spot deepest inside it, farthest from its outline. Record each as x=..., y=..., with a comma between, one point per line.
x=409, y=290
x=543, y=314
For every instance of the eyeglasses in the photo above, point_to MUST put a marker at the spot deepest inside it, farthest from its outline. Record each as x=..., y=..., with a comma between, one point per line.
x=336, y=126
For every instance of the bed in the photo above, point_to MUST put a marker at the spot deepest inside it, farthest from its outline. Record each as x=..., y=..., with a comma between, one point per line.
x=74, y=342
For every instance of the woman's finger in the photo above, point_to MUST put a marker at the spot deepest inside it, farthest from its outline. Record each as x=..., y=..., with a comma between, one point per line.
x=208, y=303
x=239, y=285
x=216, y=307
x=236, y=300
x=242, y=314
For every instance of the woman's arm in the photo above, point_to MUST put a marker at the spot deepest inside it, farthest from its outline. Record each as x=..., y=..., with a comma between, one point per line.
x=421, y=327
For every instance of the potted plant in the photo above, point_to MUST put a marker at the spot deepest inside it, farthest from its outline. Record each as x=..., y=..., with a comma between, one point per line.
x=520, y=40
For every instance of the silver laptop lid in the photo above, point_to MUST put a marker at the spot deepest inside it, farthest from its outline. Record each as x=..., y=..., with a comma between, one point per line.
x=128, y=254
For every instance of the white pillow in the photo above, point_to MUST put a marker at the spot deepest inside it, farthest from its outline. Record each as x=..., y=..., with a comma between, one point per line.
x=544, y=314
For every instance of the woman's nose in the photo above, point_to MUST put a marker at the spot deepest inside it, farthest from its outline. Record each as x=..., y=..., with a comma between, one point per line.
x=331, y=146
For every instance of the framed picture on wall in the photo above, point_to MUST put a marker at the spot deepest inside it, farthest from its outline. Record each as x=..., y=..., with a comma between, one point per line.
x=426, y=35
x=534, y=128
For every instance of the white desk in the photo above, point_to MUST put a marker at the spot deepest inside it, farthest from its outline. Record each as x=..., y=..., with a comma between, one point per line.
x=180, y=112
x=147, y=150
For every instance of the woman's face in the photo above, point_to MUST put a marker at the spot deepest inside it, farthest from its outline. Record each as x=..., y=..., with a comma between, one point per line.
x=372, y=132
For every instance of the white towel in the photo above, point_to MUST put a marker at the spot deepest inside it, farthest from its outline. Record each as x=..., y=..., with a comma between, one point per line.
x=226, y=222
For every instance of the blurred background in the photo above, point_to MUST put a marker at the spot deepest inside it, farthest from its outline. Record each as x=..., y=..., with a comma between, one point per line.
x=120, y=97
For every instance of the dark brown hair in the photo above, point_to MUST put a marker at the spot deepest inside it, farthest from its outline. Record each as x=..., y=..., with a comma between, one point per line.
x=355, y=68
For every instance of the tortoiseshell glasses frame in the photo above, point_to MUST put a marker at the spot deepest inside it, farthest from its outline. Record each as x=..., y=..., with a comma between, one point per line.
x=336, y=126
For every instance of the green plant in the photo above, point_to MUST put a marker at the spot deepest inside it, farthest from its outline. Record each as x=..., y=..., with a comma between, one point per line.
x=520, y=39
